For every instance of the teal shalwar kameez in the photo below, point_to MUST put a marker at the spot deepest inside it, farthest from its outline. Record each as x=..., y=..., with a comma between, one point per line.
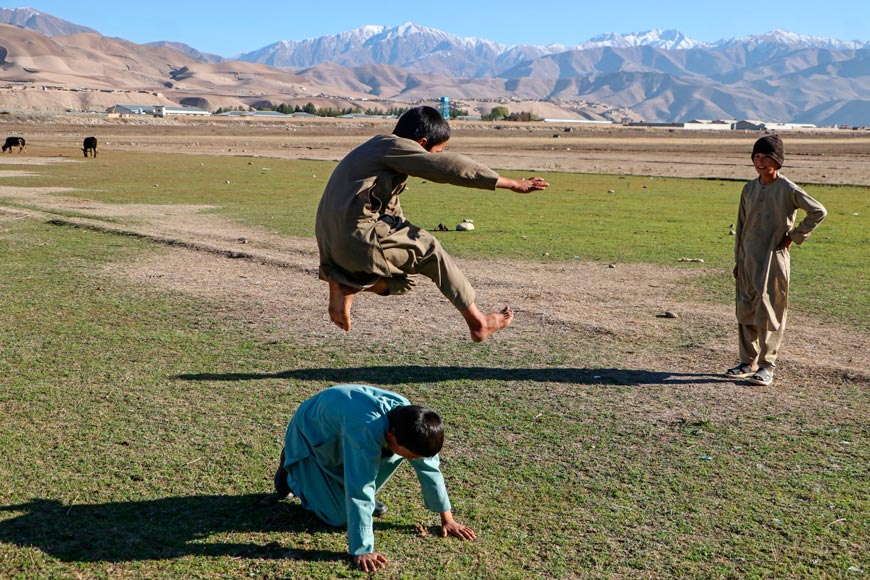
x=336, y=459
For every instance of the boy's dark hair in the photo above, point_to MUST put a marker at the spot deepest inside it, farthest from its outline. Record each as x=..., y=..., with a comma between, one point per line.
x=423, y=122
x=418, y=429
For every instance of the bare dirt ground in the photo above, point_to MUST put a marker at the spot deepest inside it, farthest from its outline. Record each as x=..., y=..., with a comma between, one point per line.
x=271, y=281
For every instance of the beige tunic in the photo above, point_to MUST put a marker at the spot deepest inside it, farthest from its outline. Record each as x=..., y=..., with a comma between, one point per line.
x=766, y=214
x=359, y=216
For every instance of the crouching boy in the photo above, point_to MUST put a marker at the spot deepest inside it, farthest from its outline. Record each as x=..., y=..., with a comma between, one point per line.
x=341, y=447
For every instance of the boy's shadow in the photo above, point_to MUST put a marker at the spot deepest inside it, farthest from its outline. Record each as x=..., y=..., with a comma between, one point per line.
x=160, y=529
x=385, y=375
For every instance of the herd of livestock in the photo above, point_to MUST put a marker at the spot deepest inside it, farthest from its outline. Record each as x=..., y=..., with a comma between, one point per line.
x=89, y=145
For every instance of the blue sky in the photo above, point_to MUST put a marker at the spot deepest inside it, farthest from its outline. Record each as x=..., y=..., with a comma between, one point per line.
x=228, y=28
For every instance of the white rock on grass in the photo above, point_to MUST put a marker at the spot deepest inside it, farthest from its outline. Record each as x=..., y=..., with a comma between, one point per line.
x=464, y=227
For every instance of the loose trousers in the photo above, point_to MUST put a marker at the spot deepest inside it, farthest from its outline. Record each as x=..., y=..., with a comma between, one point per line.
x=759, y=344
x=410, y=250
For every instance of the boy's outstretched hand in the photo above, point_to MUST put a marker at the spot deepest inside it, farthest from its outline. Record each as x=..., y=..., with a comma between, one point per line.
x=450, y=527
x=523, y=185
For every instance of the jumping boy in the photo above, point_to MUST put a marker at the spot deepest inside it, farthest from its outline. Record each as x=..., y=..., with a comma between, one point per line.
x=365, y=242
x=765, y=231
x=341, y=447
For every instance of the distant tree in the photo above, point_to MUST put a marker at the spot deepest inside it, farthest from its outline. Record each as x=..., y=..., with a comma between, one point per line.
x=310, y=109
x=496, y=113
x=86, y=98
x=524, y=116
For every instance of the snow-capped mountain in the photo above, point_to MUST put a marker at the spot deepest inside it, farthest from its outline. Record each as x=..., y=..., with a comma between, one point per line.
x=428, y=50
x=661, y=74
x=407, y=45
x=659, y=38
x=793, y=41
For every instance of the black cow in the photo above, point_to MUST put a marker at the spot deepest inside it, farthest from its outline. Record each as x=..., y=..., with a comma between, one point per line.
x=14, y=142
x=90, y=144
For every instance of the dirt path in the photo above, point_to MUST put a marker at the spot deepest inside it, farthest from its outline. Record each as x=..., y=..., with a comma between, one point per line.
x=272, y=282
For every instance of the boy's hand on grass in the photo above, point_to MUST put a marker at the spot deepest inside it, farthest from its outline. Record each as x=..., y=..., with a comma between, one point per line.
x=370, y=562
x=450, y=527
x=461, y=531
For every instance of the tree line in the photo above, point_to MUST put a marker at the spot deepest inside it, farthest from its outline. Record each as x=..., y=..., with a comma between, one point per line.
x=499, y=113
x=311, y=109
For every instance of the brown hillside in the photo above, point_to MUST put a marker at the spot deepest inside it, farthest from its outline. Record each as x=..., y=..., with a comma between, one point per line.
x=90, y=72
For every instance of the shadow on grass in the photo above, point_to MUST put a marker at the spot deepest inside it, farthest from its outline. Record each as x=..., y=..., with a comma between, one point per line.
x=424, y=374
x=162, y=529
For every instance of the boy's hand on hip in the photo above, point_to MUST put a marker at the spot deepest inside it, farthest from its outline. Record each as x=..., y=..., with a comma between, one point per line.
x=370, y=562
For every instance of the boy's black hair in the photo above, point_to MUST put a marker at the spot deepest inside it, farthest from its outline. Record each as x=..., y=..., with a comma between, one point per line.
x=423, y=122
x=418, y=429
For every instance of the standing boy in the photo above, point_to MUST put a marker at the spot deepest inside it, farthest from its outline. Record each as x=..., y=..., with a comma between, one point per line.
x=341, y=447
x=765, y=231
x=365, y=242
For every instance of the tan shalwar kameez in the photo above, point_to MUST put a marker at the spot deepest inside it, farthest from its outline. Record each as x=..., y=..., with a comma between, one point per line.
x=766, y=214
x=361, y=232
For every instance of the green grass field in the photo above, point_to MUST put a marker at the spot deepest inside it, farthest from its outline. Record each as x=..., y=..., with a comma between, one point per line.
x=140, y=428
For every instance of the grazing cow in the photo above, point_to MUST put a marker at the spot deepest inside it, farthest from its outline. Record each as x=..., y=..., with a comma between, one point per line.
x=14, y=142
x=90, y=144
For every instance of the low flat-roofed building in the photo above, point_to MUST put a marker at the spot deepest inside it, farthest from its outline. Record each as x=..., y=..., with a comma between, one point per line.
x=755, y=125
x=156, y=110
x=709, y=125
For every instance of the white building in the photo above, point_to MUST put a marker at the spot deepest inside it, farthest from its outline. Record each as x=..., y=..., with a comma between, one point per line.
x=156, y=110
x=755, y=125
x=709, y=125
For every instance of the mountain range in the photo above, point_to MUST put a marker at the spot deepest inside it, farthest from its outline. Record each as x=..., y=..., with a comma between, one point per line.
x=658, y=75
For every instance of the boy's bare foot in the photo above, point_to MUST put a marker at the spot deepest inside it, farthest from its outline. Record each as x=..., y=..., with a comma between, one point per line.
x=340, y=301
x=482, y=326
